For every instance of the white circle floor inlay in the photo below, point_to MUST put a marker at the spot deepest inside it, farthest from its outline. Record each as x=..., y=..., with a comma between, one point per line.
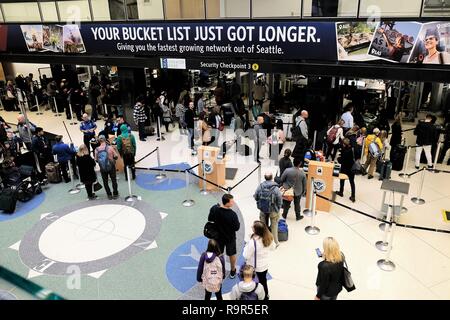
x=92, y=233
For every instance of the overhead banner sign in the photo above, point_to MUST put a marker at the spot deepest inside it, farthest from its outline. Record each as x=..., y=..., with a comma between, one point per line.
x=397, y=42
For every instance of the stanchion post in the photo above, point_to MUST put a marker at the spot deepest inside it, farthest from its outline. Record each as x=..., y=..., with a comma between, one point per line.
x=56, y=107
x=71, y=115
x=259, y=173
x=131, y=197
x=73, y=190
x=436, y=156
x=308, y=212
x=404, y=175
x=188, y=202
x=37, y=105
x=418, y=199
x=160, y=175
x=312, y=229
x=386, y=264
x=314, y=141
x=383, y=244
x=160, y=137
x=362, y=150
x=204, y=191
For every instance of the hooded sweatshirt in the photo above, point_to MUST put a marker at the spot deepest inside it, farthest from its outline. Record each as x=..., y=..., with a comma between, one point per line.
x=246, y=287
x=125, y=134
x=208, y=257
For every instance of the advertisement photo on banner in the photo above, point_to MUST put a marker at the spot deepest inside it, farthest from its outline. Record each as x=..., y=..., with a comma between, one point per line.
x=53, y=38
x=353, y=40
x=73, y=41
x=433, y=44
x=33, y=37
x=393, y=41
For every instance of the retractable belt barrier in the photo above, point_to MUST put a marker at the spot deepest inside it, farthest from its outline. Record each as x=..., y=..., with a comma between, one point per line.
x=382, y=220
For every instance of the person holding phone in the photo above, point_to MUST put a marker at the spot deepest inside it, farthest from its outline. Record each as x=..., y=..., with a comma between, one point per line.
x=331, y=269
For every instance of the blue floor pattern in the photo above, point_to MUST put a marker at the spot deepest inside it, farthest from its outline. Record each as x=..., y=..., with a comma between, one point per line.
x=22, y=208
x=149, y=182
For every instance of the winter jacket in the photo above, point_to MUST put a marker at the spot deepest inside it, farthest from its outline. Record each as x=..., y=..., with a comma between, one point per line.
x=242, y=286
x=86, y=169
x=426, y=133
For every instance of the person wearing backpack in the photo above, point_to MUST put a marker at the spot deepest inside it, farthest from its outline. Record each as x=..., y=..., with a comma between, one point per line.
x=334, y=137
x=106, y=157
x=256, y=252
x=372, y=150
x=126, y=145
x=269, y=202
x=211, y=270
x=347, y=160
x=247, y=289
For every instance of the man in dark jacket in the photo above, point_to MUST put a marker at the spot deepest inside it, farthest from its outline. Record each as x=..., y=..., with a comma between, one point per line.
x=64, y=154
x=227, y=223
x=294, y=178
x=426, y=133
x=41, y=147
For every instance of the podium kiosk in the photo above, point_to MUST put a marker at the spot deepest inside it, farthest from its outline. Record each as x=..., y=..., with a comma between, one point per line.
x=322, y=172
x=214, y=168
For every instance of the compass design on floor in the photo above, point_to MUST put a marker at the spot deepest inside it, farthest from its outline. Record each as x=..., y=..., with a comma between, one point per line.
x=92, y=237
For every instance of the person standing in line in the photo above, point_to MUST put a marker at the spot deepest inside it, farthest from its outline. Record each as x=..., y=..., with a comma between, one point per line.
x=126, y=145
x=261, y=243
x=22, y=127
x=260, y=136
x=300, y=135
x=347, y=160
x=166, y=113
x=140, y=117
x=396, y=128
x=372, y=157
x=106, y=157
x=247, y=289
x=88, y=127
x=277, y=139
x=347, y=117
x=331, y=270
x=294, y=178
x=211, y=270
x=425, y=132
x=189, y=116
x=205, y=129
x=285, y=162
x=269, y=202
x=227, y=223
x=334, y=137
x=180, y=113
x=41, y=148
x=64, y=154
x=86, y=170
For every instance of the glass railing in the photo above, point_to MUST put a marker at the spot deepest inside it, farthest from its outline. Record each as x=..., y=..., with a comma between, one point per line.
x=15, y=287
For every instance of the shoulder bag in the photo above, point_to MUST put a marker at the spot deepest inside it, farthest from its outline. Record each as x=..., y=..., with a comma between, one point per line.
x=347, y=281
x=210, y=230
x=241, y=273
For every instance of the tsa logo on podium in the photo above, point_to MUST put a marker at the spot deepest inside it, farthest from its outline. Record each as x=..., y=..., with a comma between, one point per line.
x=208, y=167
x=319, y=185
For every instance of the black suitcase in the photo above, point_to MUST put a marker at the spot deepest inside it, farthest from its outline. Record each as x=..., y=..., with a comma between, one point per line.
x=398, y=154
x=384, y=168
x=8, y=201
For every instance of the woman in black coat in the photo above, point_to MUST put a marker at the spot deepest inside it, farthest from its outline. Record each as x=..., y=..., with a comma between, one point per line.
x=396, y=128
x=347, y=160
x=86, y=169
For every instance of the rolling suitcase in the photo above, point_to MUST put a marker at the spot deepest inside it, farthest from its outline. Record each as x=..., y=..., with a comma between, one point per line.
x=53, y=172
x=8, y=201
x=283, y=232
x=398, y=154
x=385, y=169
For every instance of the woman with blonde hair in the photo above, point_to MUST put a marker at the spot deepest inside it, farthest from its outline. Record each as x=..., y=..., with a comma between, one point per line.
x=86, y=168
x=331, y=270
x=256, y=252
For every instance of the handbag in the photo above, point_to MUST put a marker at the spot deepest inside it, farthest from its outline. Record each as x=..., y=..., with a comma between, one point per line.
x=241, y=272
x=347, y=281
x=287, y=194
x=221, y=126
x=210, y=231
x=97, y=186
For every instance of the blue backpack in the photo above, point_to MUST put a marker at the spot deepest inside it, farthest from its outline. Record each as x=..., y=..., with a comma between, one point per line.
x=266, y=199
x=106, y=165
x=283, y=234
x=251, y=295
